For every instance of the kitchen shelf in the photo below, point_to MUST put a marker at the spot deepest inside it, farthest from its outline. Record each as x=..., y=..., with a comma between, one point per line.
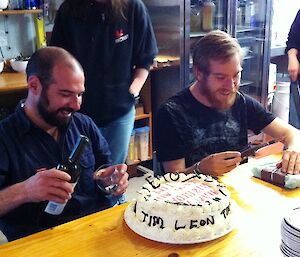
x=241, y=29
x=20, y=12
x=246, y=83
x=197, y=34
x=142, y=116
x=247, y=57
x=12, y=81
x=278, y=50
x=38, y=21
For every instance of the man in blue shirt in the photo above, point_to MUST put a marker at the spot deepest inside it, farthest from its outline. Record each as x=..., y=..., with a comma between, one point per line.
x=41, y=134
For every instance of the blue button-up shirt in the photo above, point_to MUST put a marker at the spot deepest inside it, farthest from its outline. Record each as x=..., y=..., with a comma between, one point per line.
x=25, y=148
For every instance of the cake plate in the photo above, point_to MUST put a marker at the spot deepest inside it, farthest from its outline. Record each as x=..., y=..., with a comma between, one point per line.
x=134, y=225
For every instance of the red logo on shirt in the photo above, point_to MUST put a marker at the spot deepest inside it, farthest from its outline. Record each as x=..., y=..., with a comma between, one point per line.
x=119, y=33
x=120, y=36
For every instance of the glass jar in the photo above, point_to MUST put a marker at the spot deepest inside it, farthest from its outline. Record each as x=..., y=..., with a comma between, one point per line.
x=208, y=12
x=195, y=17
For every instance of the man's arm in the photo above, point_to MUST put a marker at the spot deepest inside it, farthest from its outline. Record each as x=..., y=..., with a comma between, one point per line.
x=139, y=78
x=293, y=64
x=291, y=138
x=176, y=166
x=215, y=164
x=11, y=198
x=45, y=185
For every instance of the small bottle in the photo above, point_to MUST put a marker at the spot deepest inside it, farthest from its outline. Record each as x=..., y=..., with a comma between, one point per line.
x=70, y=166
x=30, y=4
x=250, y=13
x=208, y=12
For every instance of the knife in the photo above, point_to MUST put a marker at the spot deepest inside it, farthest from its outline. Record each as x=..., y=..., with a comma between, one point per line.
x=250, y=150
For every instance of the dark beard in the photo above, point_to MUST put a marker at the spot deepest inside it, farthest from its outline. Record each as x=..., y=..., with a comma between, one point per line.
x=51, y=117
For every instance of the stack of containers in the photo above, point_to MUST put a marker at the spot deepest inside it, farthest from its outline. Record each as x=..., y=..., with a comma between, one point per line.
x=139, y=145
x=131, y=151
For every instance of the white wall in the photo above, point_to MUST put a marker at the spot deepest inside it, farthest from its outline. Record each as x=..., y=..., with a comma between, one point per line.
x=17, y=32
x=284, y=13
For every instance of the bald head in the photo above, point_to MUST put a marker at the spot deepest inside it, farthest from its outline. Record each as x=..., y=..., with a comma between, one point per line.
x=43, y=61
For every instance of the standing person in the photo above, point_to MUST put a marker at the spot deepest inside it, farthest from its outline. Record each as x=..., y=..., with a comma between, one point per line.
x=293, y=52
x=114, y=42
x=204, y=127
x=40, y=135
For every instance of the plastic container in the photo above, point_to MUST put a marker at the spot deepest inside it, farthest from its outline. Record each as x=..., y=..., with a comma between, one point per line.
x=131, y=155
x=142, y=142
x=281, y=101
x=208, y=13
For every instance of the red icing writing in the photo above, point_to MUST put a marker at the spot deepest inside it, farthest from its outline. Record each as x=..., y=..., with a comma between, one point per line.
x=186, y=193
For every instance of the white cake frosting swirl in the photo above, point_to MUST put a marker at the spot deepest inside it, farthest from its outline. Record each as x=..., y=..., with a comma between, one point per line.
x=180, y=208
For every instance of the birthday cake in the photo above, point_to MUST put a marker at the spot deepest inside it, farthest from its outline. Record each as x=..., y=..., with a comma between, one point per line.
x=180, y=208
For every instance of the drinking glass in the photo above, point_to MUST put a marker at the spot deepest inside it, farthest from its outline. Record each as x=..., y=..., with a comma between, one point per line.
x=108, y=183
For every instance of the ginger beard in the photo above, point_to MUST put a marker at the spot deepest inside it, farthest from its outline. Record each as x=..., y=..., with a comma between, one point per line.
x=219, y=99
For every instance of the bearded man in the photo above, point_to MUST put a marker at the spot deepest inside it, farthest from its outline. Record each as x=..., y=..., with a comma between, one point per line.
x=38, y=136
x=204, y=127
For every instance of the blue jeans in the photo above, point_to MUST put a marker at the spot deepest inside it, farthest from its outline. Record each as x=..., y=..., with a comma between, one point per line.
x=294, y=119
x=117, y=134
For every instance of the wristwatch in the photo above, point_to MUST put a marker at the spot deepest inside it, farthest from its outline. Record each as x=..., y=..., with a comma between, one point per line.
x=197, y=168
x=136, y=98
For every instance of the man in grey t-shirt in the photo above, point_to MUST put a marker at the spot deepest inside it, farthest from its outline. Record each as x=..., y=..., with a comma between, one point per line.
x=204, y=127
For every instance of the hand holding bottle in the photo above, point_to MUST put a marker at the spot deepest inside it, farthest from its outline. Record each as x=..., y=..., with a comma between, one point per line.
x=72, y=167
x=48, y=185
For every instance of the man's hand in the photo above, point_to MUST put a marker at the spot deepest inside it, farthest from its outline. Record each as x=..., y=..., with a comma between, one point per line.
x=121, y=179
x=293, y=68
x=219, y=163
x=293, y=63
x=290, y=162
x=48, y=185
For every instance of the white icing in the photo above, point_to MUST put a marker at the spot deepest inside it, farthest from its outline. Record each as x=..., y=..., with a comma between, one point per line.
x=182, y=208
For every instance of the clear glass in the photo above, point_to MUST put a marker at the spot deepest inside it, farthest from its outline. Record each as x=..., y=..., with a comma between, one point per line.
x=108, y=181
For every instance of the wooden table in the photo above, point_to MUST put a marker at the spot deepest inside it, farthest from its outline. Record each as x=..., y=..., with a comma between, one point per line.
x=260, y=209
x=12, y=81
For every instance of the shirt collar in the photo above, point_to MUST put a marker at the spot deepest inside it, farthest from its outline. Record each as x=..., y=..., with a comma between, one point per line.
x=24, y=124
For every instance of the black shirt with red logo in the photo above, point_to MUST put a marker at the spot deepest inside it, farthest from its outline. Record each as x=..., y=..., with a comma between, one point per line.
x=109, y=51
